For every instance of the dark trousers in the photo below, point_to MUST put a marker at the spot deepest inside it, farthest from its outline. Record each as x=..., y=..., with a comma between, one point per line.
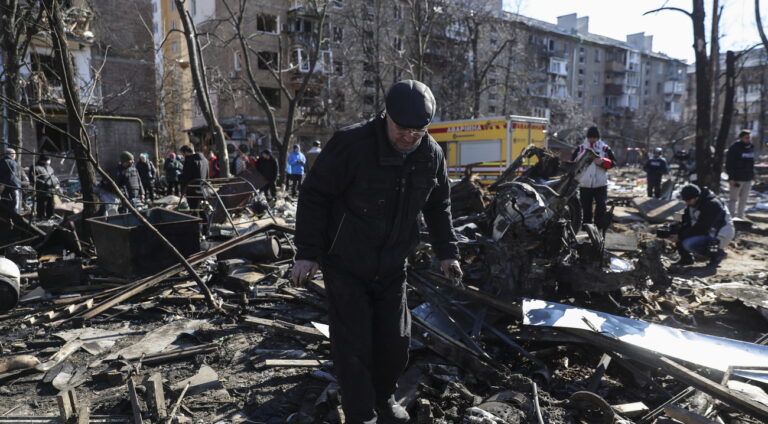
x=173, y=188
x=269, y=190
x=44, y=206
x=10, y=198
x=654, y=186
x=598, y=196
x=294, y=181
x=149, y=190
x=370, y=328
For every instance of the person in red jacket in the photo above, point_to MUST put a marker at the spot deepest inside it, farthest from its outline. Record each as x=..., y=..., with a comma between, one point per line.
x=213, y=165
x=593, y=181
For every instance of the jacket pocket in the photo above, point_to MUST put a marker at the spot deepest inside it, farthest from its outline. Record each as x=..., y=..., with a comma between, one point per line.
x=336, y=236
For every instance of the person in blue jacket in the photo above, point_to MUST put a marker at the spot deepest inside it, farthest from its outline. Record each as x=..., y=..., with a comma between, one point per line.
x=655, y=168
x=296, y=161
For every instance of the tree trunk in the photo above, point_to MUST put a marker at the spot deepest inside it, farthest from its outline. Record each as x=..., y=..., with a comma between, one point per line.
x=703, y=98
x=197, y=67
x=75, y=127
x=714, y=57
x=725, y=123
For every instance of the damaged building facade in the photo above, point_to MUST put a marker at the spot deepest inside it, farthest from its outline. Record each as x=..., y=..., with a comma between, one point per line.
x=112, y=57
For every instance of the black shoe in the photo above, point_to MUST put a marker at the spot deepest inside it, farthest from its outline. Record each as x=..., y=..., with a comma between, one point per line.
x=391, y=412
x=718, y=257
x=683, y=262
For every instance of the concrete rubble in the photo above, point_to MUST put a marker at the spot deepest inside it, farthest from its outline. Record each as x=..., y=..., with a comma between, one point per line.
x=554, y=322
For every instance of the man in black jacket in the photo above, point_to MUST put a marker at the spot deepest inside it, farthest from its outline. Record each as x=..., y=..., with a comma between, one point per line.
x=267, y=167
x=10, y=185
x=195, y=170
x=46, y=185
x=357, y=218
x=740, y=166
x=705, y=223
x=148, y=174
x=128, y=180
x=655, y=168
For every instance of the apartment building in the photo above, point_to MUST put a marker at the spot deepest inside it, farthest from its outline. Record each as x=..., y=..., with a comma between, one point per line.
x=114, y=71
x=604, y=79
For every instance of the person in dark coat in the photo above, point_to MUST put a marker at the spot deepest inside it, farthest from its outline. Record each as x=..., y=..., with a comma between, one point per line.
x=740, y=166
x=268, y=167
x=172, y=168
x=10, y=184
x=655, y=168
x=148, y=175
x=128, y=180
x=46, y=185
x=195, y=170
x=357, y=218
x=705, y=222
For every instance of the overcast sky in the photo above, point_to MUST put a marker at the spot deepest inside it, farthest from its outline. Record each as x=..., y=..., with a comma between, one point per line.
x=672, y=31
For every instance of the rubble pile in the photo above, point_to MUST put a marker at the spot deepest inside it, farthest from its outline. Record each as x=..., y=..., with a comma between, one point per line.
x=554, y=322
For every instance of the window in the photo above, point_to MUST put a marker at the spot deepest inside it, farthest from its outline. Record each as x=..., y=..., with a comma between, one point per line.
x=267, y=60
x=398, y=12
x=238, y=61
x=368, y=100
x=338, y=68
x=338, y=34
x=326, y=58
x=580, y=94
x=551, y=45
x=581, y=83
x=266, y=23
x=301, y=59
x=302, y=25
x=368, y=67
x=581, y=50
x=492, y=81
x=368, y=83
x=581, y=59
x=492, y=96
x=272, y=95
x=597, y=56
x=596, y=78
x=595, y=101
x=658, y=88
x=493, y=41
x=581, y=71
x=491, y=109
x=397, y=43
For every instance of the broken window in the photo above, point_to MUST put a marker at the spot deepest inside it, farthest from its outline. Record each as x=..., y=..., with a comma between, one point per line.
x=53, y=138
x=302, y=25
x=266, y=23
x=267, y=60
x=301, y=59
x=338, y=68
x=272, y=95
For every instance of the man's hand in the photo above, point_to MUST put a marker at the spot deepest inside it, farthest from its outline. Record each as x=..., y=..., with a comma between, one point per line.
x=451, y=269
x=302, y=271
x=598, y=161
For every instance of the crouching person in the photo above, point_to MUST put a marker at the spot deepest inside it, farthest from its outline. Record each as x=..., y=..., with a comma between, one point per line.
x=706, y=229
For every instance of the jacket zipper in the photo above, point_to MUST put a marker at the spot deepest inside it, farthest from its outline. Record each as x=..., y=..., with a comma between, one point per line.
x=338, y=231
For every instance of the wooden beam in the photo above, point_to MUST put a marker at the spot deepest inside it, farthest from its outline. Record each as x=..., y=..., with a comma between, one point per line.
x=297, y=363
x=285, y=327
x=135, y=405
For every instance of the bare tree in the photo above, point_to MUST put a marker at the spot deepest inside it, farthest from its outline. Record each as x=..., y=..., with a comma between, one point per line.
x=19, y=23
x=75, y=110
x=704, y=168
x=197, y=67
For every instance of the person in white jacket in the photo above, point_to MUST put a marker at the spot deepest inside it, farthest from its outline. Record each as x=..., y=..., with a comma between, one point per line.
x=593, y=181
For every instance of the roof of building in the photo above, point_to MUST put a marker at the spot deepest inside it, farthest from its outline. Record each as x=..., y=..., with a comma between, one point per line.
x=588, y=36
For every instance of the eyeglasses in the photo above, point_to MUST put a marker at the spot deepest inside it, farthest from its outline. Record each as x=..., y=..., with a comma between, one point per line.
x=415, y=132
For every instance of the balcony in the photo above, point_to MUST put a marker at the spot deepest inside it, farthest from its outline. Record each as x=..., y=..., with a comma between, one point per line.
x=675, y=88
x=41, y=93
x=614, y=89
x=614, y=66
x=614, y=110
x=557, y=67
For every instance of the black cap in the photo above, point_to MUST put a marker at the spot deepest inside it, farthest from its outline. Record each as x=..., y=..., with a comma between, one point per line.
x=593, y=132
x=243, y=148
x=690, y=191
x=42, y=159
x=410, y=104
